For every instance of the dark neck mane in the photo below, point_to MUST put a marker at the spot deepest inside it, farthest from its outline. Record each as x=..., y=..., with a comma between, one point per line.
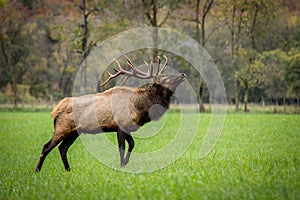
x=151, y=102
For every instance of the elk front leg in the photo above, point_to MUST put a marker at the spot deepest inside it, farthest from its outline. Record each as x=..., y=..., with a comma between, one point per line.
x=130, y=142
x=121, y=142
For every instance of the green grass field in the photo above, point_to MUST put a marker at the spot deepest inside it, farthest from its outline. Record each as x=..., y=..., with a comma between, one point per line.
x=256, y=157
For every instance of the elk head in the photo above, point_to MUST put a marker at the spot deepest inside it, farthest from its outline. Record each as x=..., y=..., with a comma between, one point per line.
x=169, y=81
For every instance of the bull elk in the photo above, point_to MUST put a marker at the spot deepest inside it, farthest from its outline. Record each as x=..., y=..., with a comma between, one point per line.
x=120, y=109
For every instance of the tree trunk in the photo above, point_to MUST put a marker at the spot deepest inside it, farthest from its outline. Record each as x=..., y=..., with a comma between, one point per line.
x=297, y=106
x=201, y=101
x=155, y=44
x=151, y=13
x=284, y=105
x=155, y=31
x=276, y=105
x=84, y=27
x=200, y=95
x=237, y=89
x=234, y=49
x=15, y=93
x=246, y=98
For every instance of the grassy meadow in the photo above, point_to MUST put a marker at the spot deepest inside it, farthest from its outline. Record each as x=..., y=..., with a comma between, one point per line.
x=256, y=157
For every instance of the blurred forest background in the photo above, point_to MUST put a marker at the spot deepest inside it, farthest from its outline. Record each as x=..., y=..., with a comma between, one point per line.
x=254, y=43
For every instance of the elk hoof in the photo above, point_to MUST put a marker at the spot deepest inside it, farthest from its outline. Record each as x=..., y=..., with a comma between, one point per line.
x=68, y=169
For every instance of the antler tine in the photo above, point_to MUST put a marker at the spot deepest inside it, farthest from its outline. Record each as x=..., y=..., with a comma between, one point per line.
x=111, y=76
x=150, y=68
x=125, y=79
x=119, y=72
x=158, y=65
x=164, y=67
x=129, y=62
x=138, y=73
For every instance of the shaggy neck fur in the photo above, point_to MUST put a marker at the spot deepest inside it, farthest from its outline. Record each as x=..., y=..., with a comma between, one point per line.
x=151, y=102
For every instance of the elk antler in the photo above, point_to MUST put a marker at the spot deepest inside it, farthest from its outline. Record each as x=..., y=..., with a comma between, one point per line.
x=136, y=72
x=159, y=72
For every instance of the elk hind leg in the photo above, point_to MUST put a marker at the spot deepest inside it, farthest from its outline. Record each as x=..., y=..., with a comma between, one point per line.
x=64, y=146
x=46, y=150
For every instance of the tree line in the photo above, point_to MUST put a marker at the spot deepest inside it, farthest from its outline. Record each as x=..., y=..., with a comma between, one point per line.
x=254, y=43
